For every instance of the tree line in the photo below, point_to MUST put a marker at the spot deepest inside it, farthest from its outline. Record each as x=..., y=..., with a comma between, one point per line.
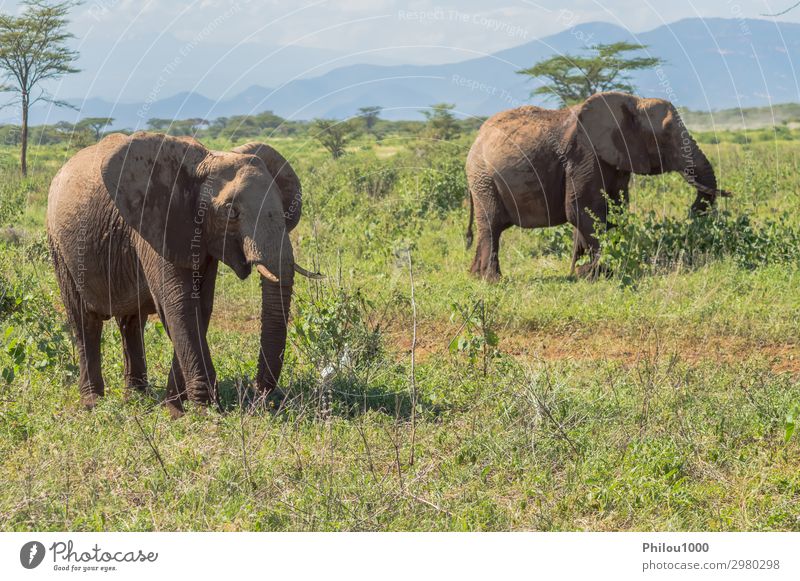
x=441, y=123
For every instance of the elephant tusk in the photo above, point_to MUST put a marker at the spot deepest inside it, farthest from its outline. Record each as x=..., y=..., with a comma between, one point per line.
x=264, y=271
x=312, y=275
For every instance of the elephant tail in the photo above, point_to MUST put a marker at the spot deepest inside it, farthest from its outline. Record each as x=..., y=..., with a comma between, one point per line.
x=468, y=235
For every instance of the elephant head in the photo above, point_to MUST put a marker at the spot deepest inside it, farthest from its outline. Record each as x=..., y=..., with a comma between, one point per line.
x=192, y=205
x=645, y=136
x=291, y=197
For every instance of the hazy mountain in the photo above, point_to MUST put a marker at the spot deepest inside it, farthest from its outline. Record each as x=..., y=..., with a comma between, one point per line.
x=711, y=64
x=135, y=67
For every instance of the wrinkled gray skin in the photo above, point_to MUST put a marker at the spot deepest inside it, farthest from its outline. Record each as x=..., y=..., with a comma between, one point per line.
x=138, y=224
x=534, y=167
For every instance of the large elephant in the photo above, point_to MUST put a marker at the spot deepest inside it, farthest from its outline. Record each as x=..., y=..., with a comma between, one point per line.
x=138, y=224
x=534, y=167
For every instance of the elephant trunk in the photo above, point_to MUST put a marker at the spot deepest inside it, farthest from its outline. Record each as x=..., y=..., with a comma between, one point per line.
x=275, y=303
x=697, y=171
x=276, y=267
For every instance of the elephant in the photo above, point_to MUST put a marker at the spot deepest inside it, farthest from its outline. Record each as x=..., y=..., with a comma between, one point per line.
x=534, y=167
x=138, y=224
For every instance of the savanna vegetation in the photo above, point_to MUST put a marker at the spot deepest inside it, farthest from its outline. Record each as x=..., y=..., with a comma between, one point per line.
x=664, y=396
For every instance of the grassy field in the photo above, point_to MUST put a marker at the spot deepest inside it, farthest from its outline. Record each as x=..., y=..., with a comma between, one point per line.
x=663, y=397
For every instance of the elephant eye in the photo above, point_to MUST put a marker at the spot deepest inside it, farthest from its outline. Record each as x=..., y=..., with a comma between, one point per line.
x=231, y=211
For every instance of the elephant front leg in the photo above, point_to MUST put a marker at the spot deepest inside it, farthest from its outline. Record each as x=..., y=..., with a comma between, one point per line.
x=199, y=379
x=176, y=389
x=132, y=330
x=585, y=208
x=179, y=297
x=578, y=250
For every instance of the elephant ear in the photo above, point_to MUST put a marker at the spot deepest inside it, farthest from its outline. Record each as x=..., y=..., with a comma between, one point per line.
x=285, y=177
x=611, y=125
x=154, y=181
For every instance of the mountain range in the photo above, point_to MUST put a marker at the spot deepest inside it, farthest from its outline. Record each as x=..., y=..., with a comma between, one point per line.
x=710, y=64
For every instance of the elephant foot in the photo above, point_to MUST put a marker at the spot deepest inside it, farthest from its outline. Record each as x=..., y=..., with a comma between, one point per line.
x=90, y=400
x=587, y=271
x=134, y=386
x=487, y=274
x=273, y=399
x=591, y=271
x=203, y=394
x=175, y=408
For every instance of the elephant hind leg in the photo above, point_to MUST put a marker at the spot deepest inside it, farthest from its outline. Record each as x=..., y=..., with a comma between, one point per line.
x=492, y=220
x=132, y=329
x=88, y=336
x=486, y=263
x=87, y=329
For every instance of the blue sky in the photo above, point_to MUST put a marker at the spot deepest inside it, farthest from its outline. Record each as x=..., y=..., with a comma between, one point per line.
x=112, y=35
x=355, y=25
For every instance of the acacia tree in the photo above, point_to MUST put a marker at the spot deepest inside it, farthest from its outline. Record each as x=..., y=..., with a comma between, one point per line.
x=96, y=124
x=370, y=115
x=441, y=123
x=571, y=79
x=33, y=49
x=157, y=124
x=333, y=135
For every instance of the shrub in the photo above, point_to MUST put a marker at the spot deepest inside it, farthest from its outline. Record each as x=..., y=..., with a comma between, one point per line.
x=638, y=244
x=34, y=336
x=371, y=178
x=438, y=183
x=333, y=332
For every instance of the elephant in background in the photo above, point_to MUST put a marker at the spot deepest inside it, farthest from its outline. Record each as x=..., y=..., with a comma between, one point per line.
x=137, y=225
x=534, y=167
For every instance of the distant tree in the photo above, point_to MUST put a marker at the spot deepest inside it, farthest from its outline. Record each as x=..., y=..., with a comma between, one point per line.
x=95, y=124
x=10, y=135
x=370, y=116
x=441, y=123
x=64, y=127
x=572, y=79
x=190, y=127
x=33, y=49
x=156, y=124
x=334, y=135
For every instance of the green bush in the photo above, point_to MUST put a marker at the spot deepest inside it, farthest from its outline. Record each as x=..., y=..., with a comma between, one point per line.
x=371, y=177
x=439, y=184
x=13, y=194
x=332, y=331
x=642, y=243
x=34, y=337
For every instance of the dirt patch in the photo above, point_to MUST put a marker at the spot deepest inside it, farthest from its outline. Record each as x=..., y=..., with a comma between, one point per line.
x=433, y=340
x=630, y=349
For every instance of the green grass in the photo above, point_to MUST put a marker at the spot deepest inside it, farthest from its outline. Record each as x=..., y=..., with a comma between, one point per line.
x=538, y=403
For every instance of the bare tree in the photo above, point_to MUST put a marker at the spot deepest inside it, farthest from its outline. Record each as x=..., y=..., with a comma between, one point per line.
x=781, y=13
